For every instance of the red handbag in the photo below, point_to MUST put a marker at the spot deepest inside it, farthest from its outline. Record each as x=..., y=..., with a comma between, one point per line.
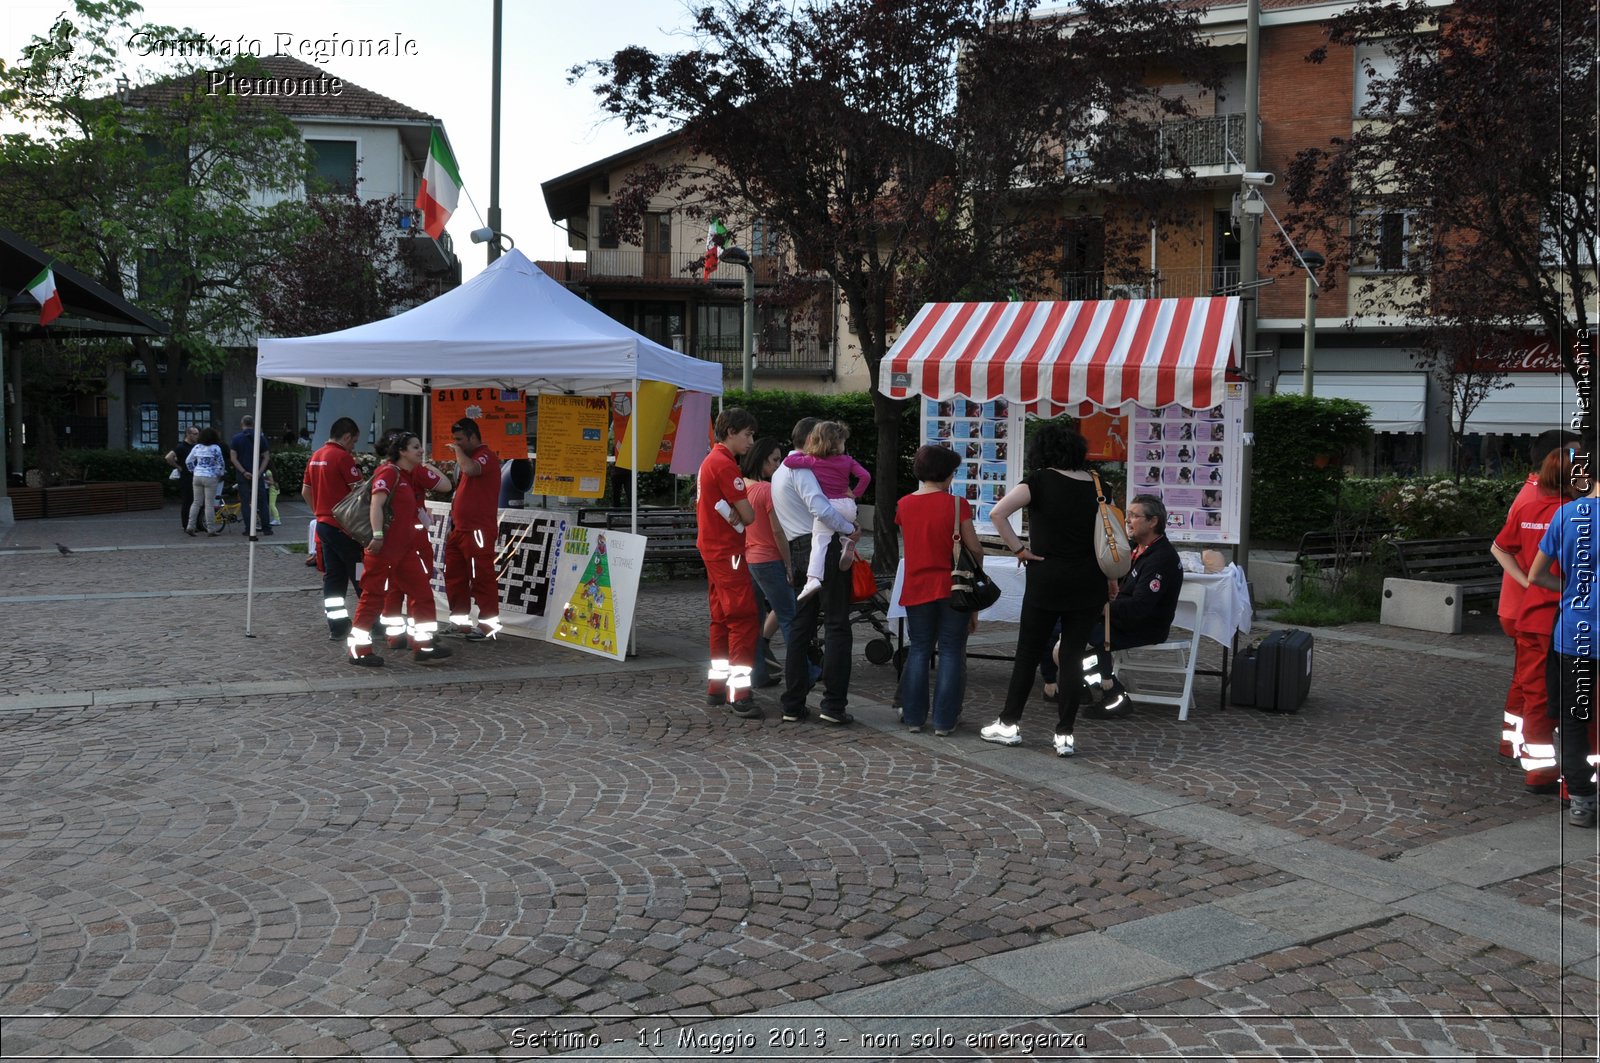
x=863, y=584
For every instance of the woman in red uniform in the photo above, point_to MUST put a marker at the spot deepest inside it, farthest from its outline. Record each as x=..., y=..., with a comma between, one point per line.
x=392, y=561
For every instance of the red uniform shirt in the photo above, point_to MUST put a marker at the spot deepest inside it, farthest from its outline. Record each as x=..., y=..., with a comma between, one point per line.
x=400, y=540
x=926, y=523
x=477, y=501
x=1510, y=590
x=331, y=472
x=719, y=481
x=1525, y=526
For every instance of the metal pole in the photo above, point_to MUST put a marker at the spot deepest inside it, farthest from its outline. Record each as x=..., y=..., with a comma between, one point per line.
x=255, y=517
x=5, y=502
x=749, y=327
x=494, y=139
x=1249, y=240
x=1311, y=336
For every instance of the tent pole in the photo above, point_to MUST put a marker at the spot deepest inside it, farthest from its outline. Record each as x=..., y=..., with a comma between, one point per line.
x=255, y=517
x=427, y=440
x=633, y=500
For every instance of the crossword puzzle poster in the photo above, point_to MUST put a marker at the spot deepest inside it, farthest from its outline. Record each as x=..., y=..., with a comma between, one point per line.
x=526, y=553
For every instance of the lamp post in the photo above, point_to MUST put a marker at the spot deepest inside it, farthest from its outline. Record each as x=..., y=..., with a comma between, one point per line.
x=740, y=257
x=1310, y=261
x=498, y=242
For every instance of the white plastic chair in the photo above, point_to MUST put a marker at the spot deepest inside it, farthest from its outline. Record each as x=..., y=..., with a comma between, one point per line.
x=1176, y=656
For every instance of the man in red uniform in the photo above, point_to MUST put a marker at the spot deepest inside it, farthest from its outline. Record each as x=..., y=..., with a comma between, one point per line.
x=469, y=570
x=330, y=475
x=722, y=512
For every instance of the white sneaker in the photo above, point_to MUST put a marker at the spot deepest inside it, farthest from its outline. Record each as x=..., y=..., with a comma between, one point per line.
x=1007, y=734
x=1065, y=747
x=812, y=586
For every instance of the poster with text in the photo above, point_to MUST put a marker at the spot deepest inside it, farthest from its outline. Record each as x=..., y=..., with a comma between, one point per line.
x=526, y=550
x=595, y=590
x=501, y=416
x=572, y=446
x=986, y=436
x=1192, y=460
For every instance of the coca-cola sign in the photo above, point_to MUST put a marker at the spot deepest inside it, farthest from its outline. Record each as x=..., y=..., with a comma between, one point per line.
x=1532, y=355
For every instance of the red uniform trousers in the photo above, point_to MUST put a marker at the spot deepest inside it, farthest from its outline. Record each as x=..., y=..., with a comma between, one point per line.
x=1535, y=741
x=407, y=579
x=1514, y=694
x=734, y=627
x=469, y=574
x=394, y=608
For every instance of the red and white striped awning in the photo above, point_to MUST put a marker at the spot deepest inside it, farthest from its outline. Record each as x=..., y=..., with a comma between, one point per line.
x=1068, y=356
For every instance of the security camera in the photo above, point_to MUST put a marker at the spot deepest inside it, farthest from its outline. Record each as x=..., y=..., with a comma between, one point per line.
x=1258, y=179
x=485, y=234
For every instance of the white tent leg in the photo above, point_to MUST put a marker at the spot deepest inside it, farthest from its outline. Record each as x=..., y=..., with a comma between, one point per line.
x=633, y=502
x=255, y=517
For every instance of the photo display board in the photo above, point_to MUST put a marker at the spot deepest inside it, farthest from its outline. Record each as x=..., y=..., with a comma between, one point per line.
x=1191, y=459
x=988, y=438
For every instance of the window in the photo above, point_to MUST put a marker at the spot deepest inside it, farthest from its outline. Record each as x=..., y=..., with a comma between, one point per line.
x=333, y=166
x=772, y=328
x=763, y=240
x=1375, y=67
x=190, y=415
x=658, y=233
x=1383, y=243
x=607, y=227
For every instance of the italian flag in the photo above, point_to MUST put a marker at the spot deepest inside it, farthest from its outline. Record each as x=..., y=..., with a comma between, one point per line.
x=714, y=241
x=441, y=187
x=43, y=288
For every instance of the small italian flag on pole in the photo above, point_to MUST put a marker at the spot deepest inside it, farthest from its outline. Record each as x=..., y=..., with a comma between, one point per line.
x=441, y=187
x=43, y=288
x=714, y=241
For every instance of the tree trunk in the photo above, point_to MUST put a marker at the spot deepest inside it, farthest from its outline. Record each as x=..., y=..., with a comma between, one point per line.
x=886, y=485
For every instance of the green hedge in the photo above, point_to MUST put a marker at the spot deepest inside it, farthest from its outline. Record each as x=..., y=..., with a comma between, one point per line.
x=1429, y=507
x=1299, y=462
x=118, y=466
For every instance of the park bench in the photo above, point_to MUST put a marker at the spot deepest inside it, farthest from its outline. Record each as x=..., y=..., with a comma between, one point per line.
x=671, y=532
x=81, y=500
x=1340, y=547
x=1436, y=577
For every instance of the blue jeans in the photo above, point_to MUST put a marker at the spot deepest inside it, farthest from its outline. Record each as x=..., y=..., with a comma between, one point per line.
x=773, y=595
x=930, y=624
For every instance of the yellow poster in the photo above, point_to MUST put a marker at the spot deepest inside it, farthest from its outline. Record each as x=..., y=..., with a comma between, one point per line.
x=571, y=446
x=650, y=421
x=501, y=417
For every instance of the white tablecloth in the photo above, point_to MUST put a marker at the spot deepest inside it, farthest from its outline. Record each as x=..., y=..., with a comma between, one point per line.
x=1227, y=598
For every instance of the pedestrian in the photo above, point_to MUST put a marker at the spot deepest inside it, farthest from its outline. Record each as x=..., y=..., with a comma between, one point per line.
x=1063, y=583
x=1573, y=666
x=798, y=500
x=824, y=455
x=767, y=558
x=1515, y=548
x=398, y=620
x=393, y=562
x=929, y=518
x=722, y=510
x=252, y=489
x=206, y=466
x=178, y=458
x=331, y=474
x=470, y=576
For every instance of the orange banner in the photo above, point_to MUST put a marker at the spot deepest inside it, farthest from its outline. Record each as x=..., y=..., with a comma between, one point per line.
x=501, y=415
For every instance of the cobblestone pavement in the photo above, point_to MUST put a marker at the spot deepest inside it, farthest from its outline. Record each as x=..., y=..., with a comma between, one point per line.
x=227, y=847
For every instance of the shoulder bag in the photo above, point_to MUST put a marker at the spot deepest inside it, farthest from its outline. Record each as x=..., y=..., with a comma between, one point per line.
x=1110, y=536
x=971, y=589
x=354, y=512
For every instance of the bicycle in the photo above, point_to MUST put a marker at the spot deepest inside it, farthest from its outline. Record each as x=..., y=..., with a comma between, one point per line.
x=224, y=514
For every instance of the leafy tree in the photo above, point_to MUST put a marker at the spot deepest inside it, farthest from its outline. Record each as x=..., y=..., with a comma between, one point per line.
x=1480, y=146
x=914, y=150
x=159, y=193
x=345, y=271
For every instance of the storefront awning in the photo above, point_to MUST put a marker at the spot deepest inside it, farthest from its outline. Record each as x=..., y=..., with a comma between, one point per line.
x=1398, y=401
x=1071, y=356
x=1531, y=404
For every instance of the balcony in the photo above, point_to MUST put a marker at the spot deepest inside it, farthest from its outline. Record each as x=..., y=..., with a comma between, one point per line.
x=420, y=249
x=1203, y=143
x=1166, y=284
x=801, y=358
x=672, y=267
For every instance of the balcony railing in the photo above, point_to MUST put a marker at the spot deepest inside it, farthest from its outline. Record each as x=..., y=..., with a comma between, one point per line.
x=1198, y=142
x=1166, y=284
x=672, y=267
x=801, y=358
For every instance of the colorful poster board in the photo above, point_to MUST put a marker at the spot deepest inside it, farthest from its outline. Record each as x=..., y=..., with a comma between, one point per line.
x=1192, y=460
x=526, y=550
x=982, y=433
x=502, y=418
x=658, y=403
x=572, y=446
x=595, y=590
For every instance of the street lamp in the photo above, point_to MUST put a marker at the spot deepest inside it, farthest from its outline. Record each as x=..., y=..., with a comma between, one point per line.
x=488, y=235
x=1310, y=261
x=740, y=257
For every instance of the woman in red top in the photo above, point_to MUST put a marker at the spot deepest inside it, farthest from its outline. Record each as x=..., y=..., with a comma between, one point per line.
x=392, y=560
x=1515, y=548
x=927, y=517
x=766, y=555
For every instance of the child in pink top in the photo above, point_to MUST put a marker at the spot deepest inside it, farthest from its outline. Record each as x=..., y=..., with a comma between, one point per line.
x=824, y=455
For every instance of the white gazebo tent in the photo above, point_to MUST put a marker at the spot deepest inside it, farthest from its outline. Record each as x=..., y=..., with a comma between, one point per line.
x=510, y=327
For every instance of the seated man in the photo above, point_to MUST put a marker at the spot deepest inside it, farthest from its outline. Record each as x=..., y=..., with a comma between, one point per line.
x=1142, y=604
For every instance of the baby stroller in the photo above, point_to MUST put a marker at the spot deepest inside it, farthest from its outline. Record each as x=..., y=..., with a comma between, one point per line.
x=871, y=608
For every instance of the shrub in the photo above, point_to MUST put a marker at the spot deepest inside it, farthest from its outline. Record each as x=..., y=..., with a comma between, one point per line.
x=1298, y=461
x=118, y=466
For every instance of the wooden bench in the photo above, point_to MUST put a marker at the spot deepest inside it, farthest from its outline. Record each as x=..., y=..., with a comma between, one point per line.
x=1436, y=577
x=27, y=503
x=671, y=532
x=82, y=500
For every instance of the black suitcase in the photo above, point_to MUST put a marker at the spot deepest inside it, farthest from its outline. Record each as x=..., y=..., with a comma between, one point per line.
x=1274, y=675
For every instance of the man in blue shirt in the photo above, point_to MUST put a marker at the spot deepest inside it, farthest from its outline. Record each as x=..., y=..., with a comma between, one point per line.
x=1572, y=542
x=252, y=488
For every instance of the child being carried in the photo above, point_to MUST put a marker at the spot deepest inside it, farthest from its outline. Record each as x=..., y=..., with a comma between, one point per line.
x=824, y=455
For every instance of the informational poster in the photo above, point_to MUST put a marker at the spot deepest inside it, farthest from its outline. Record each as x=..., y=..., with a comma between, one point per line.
x=572, y=446
x=987, y=436
x=526, y=552
x=657, y=401
x=1192, y=460
x=596, y=589
x=1107, y=435
x=501, y=416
